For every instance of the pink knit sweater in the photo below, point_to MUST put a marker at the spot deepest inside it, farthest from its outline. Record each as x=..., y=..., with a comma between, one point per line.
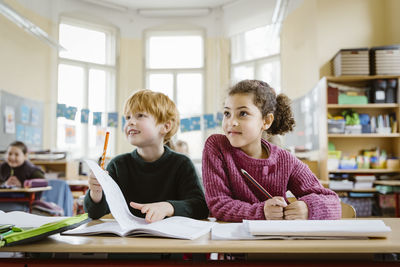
x=231, y=197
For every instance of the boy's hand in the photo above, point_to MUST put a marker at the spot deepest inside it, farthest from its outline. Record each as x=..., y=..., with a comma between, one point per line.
x=96, y=191
x=273, y=208
x=297, y=210
x=154, y=211
x=13, y=181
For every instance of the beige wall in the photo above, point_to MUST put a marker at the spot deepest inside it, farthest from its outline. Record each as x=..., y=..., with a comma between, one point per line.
x=130, y=70
x=313, y=33
x=27, y=63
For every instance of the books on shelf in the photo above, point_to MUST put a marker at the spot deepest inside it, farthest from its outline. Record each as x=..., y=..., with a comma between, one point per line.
x=340, y=185
x=126, y=224
x=300, y=229
x=364, y=181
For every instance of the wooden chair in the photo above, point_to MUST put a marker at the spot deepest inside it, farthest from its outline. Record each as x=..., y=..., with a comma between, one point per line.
x=348, y=211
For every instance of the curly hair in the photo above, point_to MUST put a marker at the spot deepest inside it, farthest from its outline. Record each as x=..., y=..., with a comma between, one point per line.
x=160, y=106
x=264, y=97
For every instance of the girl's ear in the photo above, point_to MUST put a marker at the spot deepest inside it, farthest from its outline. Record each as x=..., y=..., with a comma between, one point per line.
x=268, y=120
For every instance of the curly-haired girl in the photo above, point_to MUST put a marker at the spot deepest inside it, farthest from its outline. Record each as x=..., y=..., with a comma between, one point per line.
x=250, y=109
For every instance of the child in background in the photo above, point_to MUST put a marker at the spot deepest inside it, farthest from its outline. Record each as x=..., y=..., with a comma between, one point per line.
x=17, y=168
x=155, y=181
x=251, y=108
x=15, y=171
x=182, y=147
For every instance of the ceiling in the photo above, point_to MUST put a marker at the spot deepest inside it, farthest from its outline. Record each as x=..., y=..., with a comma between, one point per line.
x=160, y=4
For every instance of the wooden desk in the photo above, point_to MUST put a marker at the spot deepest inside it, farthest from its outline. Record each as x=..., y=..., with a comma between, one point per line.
x=281, y=248
x=28, y=192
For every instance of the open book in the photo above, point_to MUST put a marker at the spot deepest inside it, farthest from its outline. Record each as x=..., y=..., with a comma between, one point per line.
x=301, y=229
x=128, y=224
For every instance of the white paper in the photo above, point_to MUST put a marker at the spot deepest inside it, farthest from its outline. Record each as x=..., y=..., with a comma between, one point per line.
x=350, y=228
x=115, y=199
x=238, y=231
x=174, y=227
x=26, y=220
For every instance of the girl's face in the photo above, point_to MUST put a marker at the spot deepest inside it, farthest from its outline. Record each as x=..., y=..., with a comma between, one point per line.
x=15, y=157
x=243, y=123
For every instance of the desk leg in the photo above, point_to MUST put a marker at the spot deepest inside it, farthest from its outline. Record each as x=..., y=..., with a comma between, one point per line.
x=31, y=199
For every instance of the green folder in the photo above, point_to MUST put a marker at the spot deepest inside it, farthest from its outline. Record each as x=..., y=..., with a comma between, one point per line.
x=19, y=236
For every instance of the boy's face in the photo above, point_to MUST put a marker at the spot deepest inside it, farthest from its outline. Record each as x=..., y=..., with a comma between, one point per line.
x=15, y=157
x=141, y=130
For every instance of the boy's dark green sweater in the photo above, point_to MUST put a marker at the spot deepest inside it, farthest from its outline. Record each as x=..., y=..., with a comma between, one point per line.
x=171, y=178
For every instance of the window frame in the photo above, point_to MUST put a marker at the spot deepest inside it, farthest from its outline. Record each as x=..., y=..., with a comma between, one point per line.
x=110, y=67
x=175, y=71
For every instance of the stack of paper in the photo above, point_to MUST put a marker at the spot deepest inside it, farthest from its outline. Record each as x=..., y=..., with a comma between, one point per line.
x=300, y=229
x=364, y=181
x=385, y=60
x=351, y=62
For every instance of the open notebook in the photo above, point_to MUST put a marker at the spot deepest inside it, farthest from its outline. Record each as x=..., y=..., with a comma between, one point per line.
x=301, y=229
x=128, y=224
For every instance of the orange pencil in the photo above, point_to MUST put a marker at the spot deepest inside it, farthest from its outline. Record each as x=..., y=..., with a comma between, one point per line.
x=103, y=157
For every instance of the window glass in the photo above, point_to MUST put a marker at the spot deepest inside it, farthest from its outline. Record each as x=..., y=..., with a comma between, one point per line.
x=189, y=93
x=163, y=83
x=87, y=83
x=82, y=44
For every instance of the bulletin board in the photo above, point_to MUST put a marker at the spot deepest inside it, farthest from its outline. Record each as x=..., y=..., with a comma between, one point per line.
x=20, y=119
x=306, y=111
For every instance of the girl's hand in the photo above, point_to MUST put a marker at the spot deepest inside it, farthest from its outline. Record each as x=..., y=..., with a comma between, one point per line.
x=273, y=208
x=13, y=181
x=297, y=210
x=154, y=211
x=96, y=191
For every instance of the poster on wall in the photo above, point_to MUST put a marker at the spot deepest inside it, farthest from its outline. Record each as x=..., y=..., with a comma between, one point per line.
x=70, y=134
x=9, y=120
x=20, y=134
x=100, y=136
x=35, y=118
x=25, y=114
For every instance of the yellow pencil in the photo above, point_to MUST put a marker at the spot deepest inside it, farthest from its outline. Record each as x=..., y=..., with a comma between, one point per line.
x=103, y=157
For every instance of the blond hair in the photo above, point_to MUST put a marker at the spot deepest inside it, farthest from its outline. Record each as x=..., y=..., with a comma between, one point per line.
x=160, y=106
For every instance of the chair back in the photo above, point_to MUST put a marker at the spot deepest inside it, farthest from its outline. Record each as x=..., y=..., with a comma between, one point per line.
x=348, y=211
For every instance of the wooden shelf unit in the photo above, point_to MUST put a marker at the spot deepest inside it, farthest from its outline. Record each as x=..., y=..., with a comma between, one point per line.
x=70, y=169
x=352, y=144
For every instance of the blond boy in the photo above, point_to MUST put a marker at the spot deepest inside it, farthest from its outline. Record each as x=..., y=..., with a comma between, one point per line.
x=155, y=181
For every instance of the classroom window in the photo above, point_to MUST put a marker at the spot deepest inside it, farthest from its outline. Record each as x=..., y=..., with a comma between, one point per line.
x=86, y=80
x=255, y=55
x=175, y=67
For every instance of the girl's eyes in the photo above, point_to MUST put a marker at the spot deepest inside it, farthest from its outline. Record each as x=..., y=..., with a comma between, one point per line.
x=226, y=114
x=128, y=117
x=243, y=114
x=139, y=115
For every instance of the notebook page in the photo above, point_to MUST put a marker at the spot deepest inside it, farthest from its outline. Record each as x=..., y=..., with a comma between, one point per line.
x=115, y=199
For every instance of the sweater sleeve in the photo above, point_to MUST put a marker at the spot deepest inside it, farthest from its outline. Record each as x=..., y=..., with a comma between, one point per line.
x=322, y=203
x=191, y=201
x=219, y=194
x=95, y=210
